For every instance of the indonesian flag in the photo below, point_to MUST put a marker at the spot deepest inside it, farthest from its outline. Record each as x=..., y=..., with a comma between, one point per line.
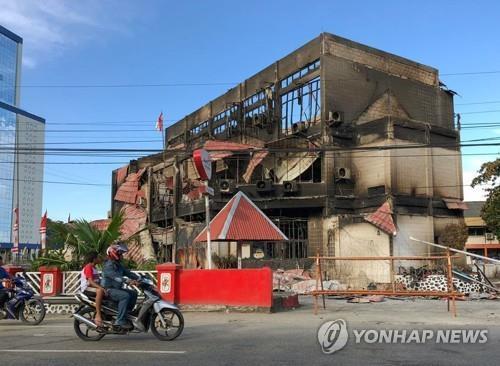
x=159, y=122
x=43, y=231
x=15, y=248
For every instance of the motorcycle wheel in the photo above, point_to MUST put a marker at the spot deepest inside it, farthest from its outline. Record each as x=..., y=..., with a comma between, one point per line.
x=174, y=321
x=83, y=331
x=32, y=312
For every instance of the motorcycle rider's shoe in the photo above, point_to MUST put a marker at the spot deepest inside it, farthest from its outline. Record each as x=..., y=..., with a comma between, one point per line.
x=126, y=326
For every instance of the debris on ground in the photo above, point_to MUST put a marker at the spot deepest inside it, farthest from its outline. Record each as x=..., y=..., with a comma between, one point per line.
x=301, y=282
x=367, y=299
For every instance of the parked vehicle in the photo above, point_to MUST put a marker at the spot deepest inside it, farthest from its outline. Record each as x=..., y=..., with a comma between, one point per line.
x=164, y=319
x=23, y=304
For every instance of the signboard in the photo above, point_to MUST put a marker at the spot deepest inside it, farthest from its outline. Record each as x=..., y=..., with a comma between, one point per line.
x=165, y=282
x=203, y=163
x=48, y=283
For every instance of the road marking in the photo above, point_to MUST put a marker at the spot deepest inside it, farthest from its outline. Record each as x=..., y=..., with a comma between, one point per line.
x=88, y=351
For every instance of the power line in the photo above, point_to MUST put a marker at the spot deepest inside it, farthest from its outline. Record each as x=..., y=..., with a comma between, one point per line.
x=476, y=112
x=473, y=103
x=56, y=182
x=81, y=142
x=234, y=158
x=471, y=73
x=35, y=150
x=143, y=85
x=189, y=84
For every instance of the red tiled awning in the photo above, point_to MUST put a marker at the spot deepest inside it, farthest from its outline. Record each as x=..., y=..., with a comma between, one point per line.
x=455, y=204
x=382, y=218
x=241, y=220
x=223, y=149
x=127, y=192
x=257, y=158
x=121, y=174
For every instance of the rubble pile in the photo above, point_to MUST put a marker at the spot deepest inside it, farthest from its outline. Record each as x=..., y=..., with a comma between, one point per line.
x=300, y=282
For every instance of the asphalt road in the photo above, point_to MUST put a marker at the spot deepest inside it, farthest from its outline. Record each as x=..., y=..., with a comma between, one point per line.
x=286, y=338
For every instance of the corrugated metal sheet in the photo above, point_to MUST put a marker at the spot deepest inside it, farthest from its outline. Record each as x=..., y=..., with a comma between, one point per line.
x=455, y=204
x=382, y=218
x=257, y=158
x=121, y=174
x=242, y=220
x=101, y=224
x=223, y=149
x=127, y=192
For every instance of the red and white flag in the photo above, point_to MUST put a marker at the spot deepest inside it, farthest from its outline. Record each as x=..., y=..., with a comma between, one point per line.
x=159, y=122
x=43, y=231
x=15, y=247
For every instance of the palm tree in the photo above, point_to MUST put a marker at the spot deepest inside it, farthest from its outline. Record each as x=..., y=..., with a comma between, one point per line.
x=85, y=237
x=80, y=238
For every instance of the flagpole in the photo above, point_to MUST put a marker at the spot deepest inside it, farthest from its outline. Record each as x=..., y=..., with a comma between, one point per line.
x=15, y=247
x=163, y=137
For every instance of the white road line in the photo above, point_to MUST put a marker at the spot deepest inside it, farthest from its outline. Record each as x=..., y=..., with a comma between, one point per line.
x=88, y=351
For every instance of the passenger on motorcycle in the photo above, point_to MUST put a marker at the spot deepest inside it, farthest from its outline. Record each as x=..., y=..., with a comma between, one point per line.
x=4, y=275
x=113, y=279
x=89, y=283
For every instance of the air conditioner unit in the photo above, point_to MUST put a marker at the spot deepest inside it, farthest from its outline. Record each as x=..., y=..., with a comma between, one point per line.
x=342, y=173
x=226, y=186
x=335, y=118
x=489, y=236
x=299, y=127
x=264, y=185
x=290, y=186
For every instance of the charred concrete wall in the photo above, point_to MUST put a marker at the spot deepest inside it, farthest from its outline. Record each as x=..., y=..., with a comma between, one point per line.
x=362, y=103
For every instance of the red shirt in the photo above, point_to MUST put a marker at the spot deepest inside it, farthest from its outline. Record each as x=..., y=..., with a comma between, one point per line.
x=88, y=272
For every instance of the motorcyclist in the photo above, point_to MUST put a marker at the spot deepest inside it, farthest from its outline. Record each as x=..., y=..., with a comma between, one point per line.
x=113, y=279
x=89, y=283
x=4, y=275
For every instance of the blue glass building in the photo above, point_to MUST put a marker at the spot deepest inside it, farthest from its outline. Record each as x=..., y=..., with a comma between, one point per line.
x=20, y=173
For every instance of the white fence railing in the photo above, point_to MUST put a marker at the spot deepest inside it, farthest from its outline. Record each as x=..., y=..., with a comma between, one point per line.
x=71, y=280
x=33, y=279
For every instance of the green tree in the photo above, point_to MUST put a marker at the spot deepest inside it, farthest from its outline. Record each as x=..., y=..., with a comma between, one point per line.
x=78, y=239
x=489, y=174
x=57, y=233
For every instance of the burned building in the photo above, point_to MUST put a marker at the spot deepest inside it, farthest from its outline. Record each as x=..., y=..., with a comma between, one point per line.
x=318, y=140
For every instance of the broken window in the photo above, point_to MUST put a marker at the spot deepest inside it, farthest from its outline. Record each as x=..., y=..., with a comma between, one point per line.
x=226, y=122
x=299, y=74
x=297, y=233
x=301, y=105
x=199, y=129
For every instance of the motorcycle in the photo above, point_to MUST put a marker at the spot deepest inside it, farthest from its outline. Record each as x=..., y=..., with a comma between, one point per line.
x=164, y=319
x=23, y=304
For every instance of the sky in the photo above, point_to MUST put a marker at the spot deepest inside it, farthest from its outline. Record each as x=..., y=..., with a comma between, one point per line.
x=76, y=44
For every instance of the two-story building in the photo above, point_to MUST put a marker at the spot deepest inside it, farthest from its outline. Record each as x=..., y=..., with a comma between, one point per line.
x=318, y=140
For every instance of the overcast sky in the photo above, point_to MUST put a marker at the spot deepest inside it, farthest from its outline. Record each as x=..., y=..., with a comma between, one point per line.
x=91, y=42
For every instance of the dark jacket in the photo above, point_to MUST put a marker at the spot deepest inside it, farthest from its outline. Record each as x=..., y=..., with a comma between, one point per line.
x=3, y=275
x=113, y=273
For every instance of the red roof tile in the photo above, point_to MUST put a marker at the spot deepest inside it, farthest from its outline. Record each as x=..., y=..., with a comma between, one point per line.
x=382, y=218
x=127, y=192
x=223, y=149
x=240, y=220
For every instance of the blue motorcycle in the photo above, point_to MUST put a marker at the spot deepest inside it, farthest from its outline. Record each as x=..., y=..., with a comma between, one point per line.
x=23, y=304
